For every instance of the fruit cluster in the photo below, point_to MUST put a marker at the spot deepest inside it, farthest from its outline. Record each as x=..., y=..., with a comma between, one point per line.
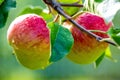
x=30, y=38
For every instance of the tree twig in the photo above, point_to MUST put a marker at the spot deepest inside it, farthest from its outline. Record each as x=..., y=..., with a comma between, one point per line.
x=55, y=5
x=65, y=5
x=71, y=5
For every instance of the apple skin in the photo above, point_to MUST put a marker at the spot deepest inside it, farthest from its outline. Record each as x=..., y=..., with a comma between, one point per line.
x=86, y=49
x=30, y=39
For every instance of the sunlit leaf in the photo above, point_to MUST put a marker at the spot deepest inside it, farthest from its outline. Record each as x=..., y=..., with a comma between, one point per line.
x=70, y=10
x=1, y=1
x=61, y=41
x=108, y=54
x=4, y=10
x=38, y=11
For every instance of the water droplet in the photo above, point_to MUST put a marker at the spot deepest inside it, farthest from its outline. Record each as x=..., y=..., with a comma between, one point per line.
x=13, y=41
x=13, y=52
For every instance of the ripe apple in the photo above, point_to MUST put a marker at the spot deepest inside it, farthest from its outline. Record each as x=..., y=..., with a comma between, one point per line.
x=87, y=49
x=30, y=39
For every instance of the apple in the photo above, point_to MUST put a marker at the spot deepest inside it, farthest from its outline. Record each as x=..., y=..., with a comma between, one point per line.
x=86, y=49
x=30, y=39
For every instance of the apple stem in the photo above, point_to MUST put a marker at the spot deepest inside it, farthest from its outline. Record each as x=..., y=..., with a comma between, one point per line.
x=56, y=6
x=56, y=19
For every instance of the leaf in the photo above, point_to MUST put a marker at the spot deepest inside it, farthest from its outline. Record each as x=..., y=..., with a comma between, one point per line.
x=38, y=11
x=109, y=55
x=115, y=35
x=108, y=9
x=1, y=1
x=114, y=31
x=116, y=39
x=116, y=20
x=4, y=10
x=98, y=1
x=61, y=41
x=97, y=62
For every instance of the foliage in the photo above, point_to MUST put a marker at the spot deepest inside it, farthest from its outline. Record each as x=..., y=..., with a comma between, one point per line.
x=61, y=41
x=97, y=62
x=4, y=10
x=1, y=1
x=98, y=1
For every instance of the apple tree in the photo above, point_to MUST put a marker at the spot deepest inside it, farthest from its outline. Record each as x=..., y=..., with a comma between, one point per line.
x=81, y=30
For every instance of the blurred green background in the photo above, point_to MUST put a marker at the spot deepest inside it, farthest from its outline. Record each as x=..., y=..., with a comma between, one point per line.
x=64, y=69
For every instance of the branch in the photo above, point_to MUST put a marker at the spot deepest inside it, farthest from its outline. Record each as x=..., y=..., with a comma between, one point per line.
x=65, y=5
x=71, y=5
x=55, y=5
x=76, y=4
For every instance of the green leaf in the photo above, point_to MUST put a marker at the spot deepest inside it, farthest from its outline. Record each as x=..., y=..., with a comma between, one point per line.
x=116, y=20
x=37, y=10
x=1, y=1
x=114, y=31
x=61, y=41
x=98, y=1
x=4, y=10
x=97, y=62
x=109, y=55
x=116, y=38
x=115, y=34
